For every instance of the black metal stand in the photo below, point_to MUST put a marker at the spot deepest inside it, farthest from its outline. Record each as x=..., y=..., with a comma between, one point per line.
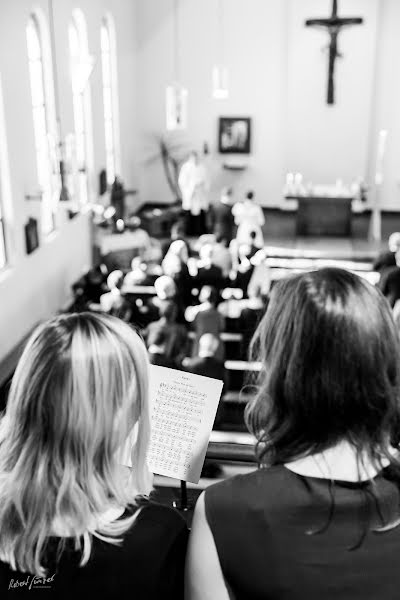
x=183, y=504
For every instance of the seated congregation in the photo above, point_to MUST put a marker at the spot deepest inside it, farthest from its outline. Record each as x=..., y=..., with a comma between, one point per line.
x=319, y=517
x=195, y=301
x=200, y=321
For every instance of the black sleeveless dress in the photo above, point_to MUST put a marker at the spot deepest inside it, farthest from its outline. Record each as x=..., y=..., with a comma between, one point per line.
x=147, y=565
x=285, y=536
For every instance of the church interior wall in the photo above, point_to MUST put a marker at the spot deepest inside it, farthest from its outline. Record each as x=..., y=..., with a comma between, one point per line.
x=36, y=286
x=278, y=77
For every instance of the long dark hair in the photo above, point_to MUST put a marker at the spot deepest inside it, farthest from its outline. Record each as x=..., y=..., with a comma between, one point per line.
x=330, y=358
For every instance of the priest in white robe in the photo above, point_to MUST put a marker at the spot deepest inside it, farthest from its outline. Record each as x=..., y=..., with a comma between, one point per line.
x=194, y=186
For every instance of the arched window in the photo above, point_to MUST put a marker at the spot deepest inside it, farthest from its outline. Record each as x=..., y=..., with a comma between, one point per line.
x=5, y=191
x=44, y=121
x=110, y=97
x=81, y=68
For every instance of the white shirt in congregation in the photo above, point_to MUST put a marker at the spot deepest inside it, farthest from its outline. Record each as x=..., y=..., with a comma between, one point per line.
x=249, y=217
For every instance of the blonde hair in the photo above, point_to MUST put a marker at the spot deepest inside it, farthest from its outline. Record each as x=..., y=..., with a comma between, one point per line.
x=78, y=390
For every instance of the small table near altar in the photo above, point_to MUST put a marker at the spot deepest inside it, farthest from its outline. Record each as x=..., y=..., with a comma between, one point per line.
x=323, y=215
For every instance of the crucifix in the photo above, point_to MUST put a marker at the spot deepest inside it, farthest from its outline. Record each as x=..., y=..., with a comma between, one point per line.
x=334, y=24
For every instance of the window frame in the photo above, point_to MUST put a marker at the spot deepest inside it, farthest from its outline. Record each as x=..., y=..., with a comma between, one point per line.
x=45, y=133
x=110, y=97
x=83, y=163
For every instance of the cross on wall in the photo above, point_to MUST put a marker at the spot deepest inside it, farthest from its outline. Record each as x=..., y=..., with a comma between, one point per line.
x=334, y=25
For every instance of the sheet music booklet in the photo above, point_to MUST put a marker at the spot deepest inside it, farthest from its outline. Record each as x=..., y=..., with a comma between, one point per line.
x=183, y=408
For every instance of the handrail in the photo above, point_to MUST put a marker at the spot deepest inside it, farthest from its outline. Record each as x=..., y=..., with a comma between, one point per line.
x=231, y=446
x=242, y=365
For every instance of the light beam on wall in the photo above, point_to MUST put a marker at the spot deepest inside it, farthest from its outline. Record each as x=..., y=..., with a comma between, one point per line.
x=176, y=94
x=176, y=106
x=220, y=82
x=220, y=72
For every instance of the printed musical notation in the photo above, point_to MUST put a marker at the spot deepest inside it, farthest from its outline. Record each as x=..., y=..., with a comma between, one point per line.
x=182, y=416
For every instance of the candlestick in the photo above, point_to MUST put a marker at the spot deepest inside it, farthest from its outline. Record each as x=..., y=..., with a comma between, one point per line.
x=380, y=156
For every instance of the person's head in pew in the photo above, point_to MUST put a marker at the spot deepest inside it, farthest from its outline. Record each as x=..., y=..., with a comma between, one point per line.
x=208, y=345
x=172, y=264
x=330, y=369
x=178, y=231
x=206, y=255
x=179, y=248
x=209, y=294
x=115, y=280
x=165, y=287
x=79, y=389
x=394, y=242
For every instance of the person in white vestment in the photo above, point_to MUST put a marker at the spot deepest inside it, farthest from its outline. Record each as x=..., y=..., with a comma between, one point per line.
x=194, y=185
x=249, y=218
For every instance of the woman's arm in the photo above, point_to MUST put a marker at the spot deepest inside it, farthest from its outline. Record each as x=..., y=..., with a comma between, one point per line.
x=203, y=575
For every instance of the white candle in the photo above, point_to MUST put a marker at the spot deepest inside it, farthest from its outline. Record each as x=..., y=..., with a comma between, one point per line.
x=380, y=156
x=298, y=183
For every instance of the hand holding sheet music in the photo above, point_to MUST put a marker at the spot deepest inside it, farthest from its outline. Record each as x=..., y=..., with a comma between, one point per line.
x=183, y=408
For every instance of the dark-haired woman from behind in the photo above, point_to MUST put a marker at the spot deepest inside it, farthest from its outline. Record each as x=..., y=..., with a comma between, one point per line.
x=72, y=520
x=320, y=518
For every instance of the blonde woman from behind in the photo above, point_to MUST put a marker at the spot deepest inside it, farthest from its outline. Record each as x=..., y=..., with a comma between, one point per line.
x=71, y=518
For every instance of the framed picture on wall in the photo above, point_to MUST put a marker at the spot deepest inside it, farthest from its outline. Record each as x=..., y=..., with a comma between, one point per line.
x=31, y=236
x=234, y=135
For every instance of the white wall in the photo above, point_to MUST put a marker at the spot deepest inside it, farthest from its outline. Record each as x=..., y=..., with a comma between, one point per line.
x=278, y=76
x=36, y=286
x=40, y=284
x=386, y=113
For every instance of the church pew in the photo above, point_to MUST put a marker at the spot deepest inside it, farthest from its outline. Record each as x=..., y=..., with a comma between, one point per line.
x=232, y=343
x=236, y=397
x=225, y=336
x=316, y=263
x=238, y=371
x=139, y=290
x=226, y=447
x=231, y=446
x=242, y=365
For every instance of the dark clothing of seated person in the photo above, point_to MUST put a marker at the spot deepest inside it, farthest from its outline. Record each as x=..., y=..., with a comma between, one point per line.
x=147, y=565
x=73, y=520
x=242, y=279
x=384, y=261
x=389, y=285
x=184, y=283
x=95, y=283
x=387, y=259
x=250, y=317
x=158, y=352
x=320, y=518
x=206, y=319
x=248, y=321
x=207, y=272
x=211, y=275
x=175, y=335
x=166, y=291
x=222, y=217
x=207, y=365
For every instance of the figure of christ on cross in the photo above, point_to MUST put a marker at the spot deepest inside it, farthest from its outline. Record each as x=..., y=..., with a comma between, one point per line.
x=333, y=25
